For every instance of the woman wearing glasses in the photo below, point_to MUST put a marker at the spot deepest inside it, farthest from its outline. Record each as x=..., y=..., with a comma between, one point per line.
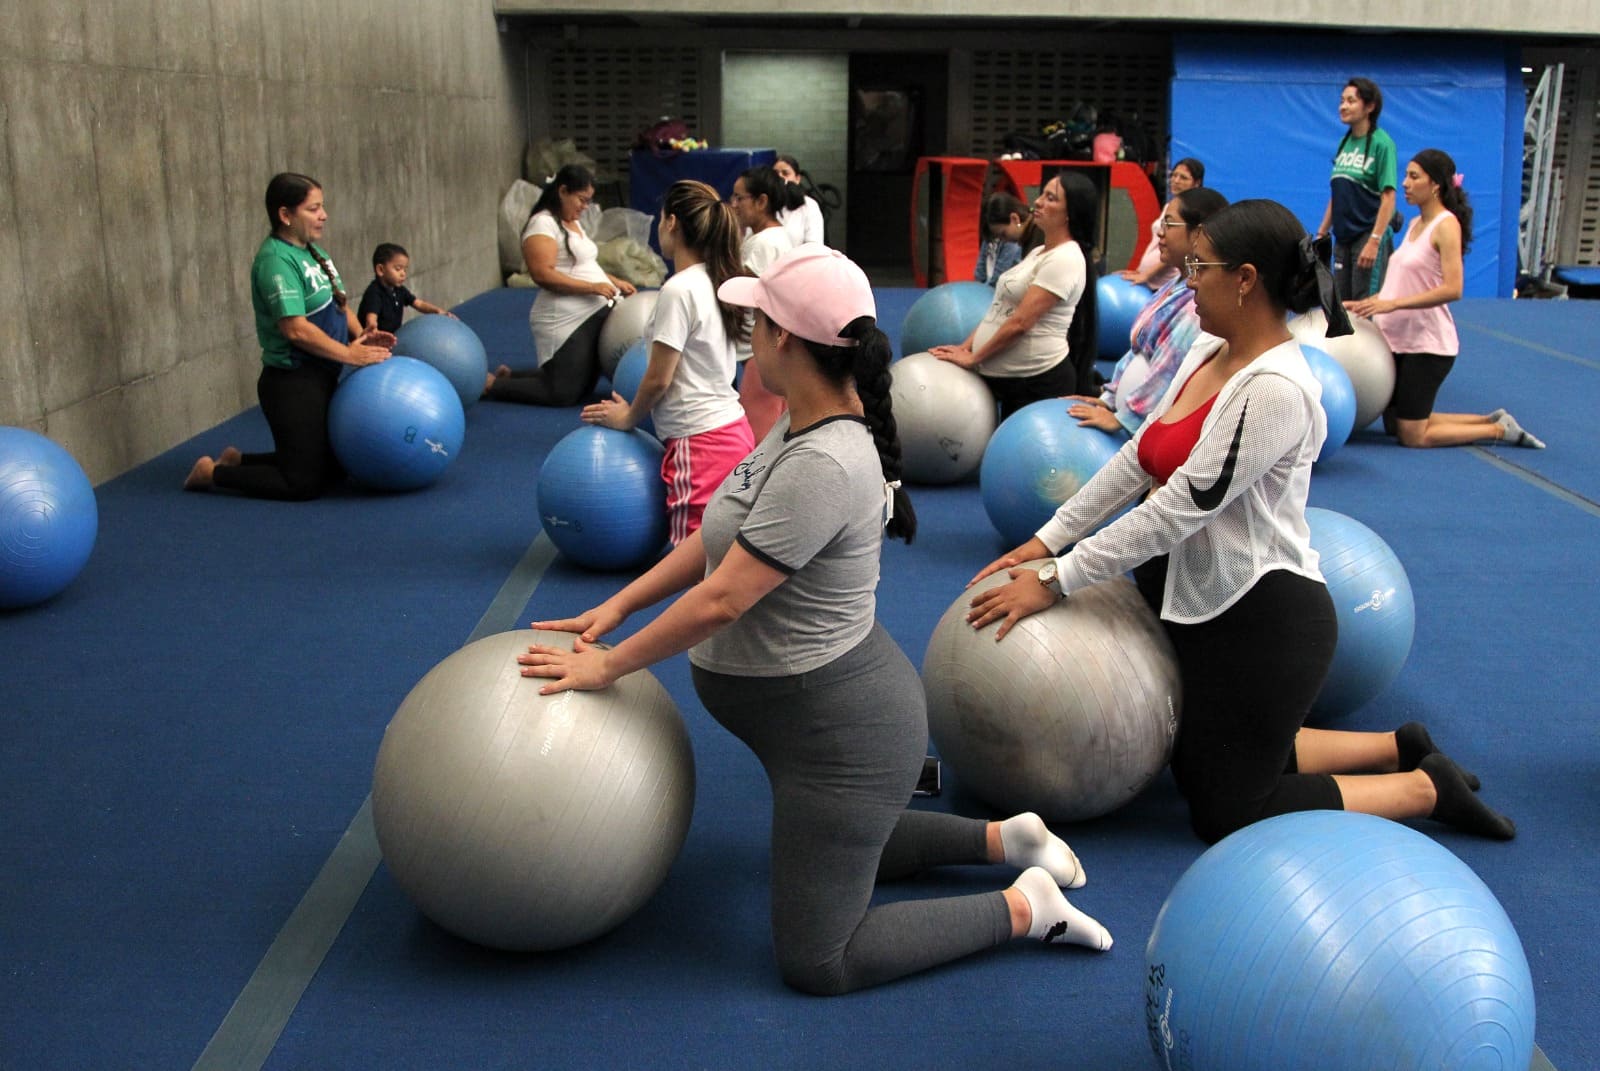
x=759, y=195
x=1163, y=331
x=1221, y=550
x=1153, y=270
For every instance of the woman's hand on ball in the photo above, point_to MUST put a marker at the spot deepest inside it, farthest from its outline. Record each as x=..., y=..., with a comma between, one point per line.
x=1010, y=603
x=959, y=356
x=611, y=413
x=589, y=625
x=1032, y=550
x=1093, y=416
x=584, y=668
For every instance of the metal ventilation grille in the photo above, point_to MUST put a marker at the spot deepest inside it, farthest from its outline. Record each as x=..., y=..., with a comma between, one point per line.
x=1021, y=91
x=603, y=97
x=1588, y=251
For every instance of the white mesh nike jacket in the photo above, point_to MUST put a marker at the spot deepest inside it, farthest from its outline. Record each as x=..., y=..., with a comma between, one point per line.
x=1235, y=509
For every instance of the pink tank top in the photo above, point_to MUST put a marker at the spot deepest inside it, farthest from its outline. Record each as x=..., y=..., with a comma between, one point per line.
x=1413, y=268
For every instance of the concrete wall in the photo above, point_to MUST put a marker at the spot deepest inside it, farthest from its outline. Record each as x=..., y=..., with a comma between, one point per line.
x=798, y=103
x=136, y=140
x=1548, y=18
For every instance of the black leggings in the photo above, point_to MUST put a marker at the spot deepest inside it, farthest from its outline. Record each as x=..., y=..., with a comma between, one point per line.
x=566, y=378
x=1249, y=677
x=301, y=465
x=1014, y=392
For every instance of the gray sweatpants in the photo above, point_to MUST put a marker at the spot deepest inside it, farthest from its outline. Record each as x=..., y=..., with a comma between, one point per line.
x=842, y=747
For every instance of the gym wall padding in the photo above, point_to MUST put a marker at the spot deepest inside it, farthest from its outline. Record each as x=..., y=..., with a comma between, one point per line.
x=1262, y=114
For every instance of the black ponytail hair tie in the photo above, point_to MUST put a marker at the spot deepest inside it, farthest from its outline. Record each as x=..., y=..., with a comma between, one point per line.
x=1314, y=256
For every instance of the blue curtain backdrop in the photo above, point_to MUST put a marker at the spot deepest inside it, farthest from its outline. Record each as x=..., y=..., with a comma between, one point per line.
x=1262, y=114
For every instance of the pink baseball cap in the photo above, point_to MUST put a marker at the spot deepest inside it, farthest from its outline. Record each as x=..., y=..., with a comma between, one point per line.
x=811, y=290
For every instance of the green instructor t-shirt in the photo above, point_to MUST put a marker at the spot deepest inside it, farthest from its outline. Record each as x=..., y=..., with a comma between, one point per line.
x=286, y=280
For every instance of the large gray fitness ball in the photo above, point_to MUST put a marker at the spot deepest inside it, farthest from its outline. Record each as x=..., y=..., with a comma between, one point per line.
x=1070, y=715
x=529, y=822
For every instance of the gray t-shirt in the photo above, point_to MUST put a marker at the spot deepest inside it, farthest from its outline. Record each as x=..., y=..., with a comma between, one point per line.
x=810, y=505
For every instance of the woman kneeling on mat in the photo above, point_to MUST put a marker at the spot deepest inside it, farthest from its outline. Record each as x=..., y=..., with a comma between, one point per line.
x=575, y=296
x=304, y=324
x=1162, y=332
x=1221, y=550
x=687, y=387
x=1412, y=312
x=1037, y=339
x=779, y=622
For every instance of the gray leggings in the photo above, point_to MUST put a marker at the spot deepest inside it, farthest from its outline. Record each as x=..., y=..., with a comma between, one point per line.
x=842, y=747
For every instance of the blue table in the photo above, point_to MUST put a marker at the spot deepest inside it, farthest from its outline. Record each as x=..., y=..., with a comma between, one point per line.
x=649, y=175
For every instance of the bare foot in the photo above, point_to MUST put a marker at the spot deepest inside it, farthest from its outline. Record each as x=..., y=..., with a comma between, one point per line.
x=199, y=478
x=230, y=456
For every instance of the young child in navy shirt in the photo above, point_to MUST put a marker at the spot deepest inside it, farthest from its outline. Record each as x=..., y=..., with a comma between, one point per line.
x=384, y=304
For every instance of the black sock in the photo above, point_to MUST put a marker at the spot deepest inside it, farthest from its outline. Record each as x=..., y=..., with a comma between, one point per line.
x=1457, y=806
x=1415, y=744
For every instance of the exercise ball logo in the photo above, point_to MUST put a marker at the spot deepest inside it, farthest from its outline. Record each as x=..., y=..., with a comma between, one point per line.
x=411, y=434
x=1158, y=998
x=1376, y=601
x=437, y=447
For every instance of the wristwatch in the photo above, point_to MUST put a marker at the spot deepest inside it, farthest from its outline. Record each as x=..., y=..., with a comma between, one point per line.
x=1048, y=576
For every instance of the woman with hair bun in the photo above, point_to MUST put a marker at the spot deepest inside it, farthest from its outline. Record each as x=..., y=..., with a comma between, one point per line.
x=1221, y=550
x=687, y=387
x=778, y=615
x=1413, y=313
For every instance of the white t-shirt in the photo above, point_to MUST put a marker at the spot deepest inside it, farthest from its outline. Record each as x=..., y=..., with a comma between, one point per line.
x=759, y=249
x=554, y=317
x=701, y=395
x=804, y=224
x=1061, y=271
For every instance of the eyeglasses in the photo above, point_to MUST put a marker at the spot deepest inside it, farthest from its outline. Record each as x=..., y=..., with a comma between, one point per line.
x=1191, y=266
x=1163, y=225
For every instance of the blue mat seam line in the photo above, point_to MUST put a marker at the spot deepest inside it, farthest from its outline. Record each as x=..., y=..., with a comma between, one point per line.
x=1548, y=486
x=1549, y=351
x=249, y=1032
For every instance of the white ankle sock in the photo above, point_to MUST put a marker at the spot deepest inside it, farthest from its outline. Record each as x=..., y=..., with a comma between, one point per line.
x=1055, y=921
x=1027, y=841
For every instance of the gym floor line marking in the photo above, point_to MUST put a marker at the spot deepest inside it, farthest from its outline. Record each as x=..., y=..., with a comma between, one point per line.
x=1550, y=351
x=250, y=1030
x=1549, y=487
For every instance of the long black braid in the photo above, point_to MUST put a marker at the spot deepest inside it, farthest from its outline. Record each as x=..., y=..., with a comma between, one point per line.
x=867, y=363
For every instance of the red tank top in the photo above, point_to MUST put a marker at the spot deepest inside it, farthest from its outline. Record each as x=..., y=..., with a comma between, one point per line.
x=1165, y=446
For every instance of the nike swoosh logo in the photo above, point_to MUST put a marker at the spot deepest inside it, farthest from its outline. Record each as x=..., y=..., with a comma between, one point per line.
x=1209, y=498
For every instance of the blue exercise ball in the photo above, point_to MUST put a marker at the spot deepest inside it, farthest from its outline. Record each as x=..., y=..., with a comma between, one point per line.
x=1037, y=459
x=48, y=518
x=944, y=316
x=1118, y=304
x=629, y=373
x=396, y=425
x=451, y=347
x=1338, y=399
x=601, y=499
x=1340, y=942
x=1376, y=610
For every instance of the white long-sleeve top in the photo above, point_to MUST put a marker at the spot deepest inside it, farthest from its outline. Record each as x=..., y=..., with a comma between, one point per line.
x=1234, y=510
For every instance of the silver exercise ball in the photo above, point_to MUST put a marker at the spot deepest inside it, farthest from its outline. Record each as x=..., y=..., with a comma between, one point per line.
x=1070, y=715
x=1365, y=356
x=626, y=324
x=528, y=822
x=944, y=415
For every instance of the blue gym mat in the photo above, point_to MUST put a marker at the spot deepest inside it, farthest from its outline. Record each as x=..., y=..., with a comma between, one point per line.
x=190, y=731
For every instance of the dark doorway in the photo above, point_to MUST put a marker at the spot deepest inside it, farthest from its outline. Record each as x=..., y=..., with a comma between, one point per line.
x=898, y=103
